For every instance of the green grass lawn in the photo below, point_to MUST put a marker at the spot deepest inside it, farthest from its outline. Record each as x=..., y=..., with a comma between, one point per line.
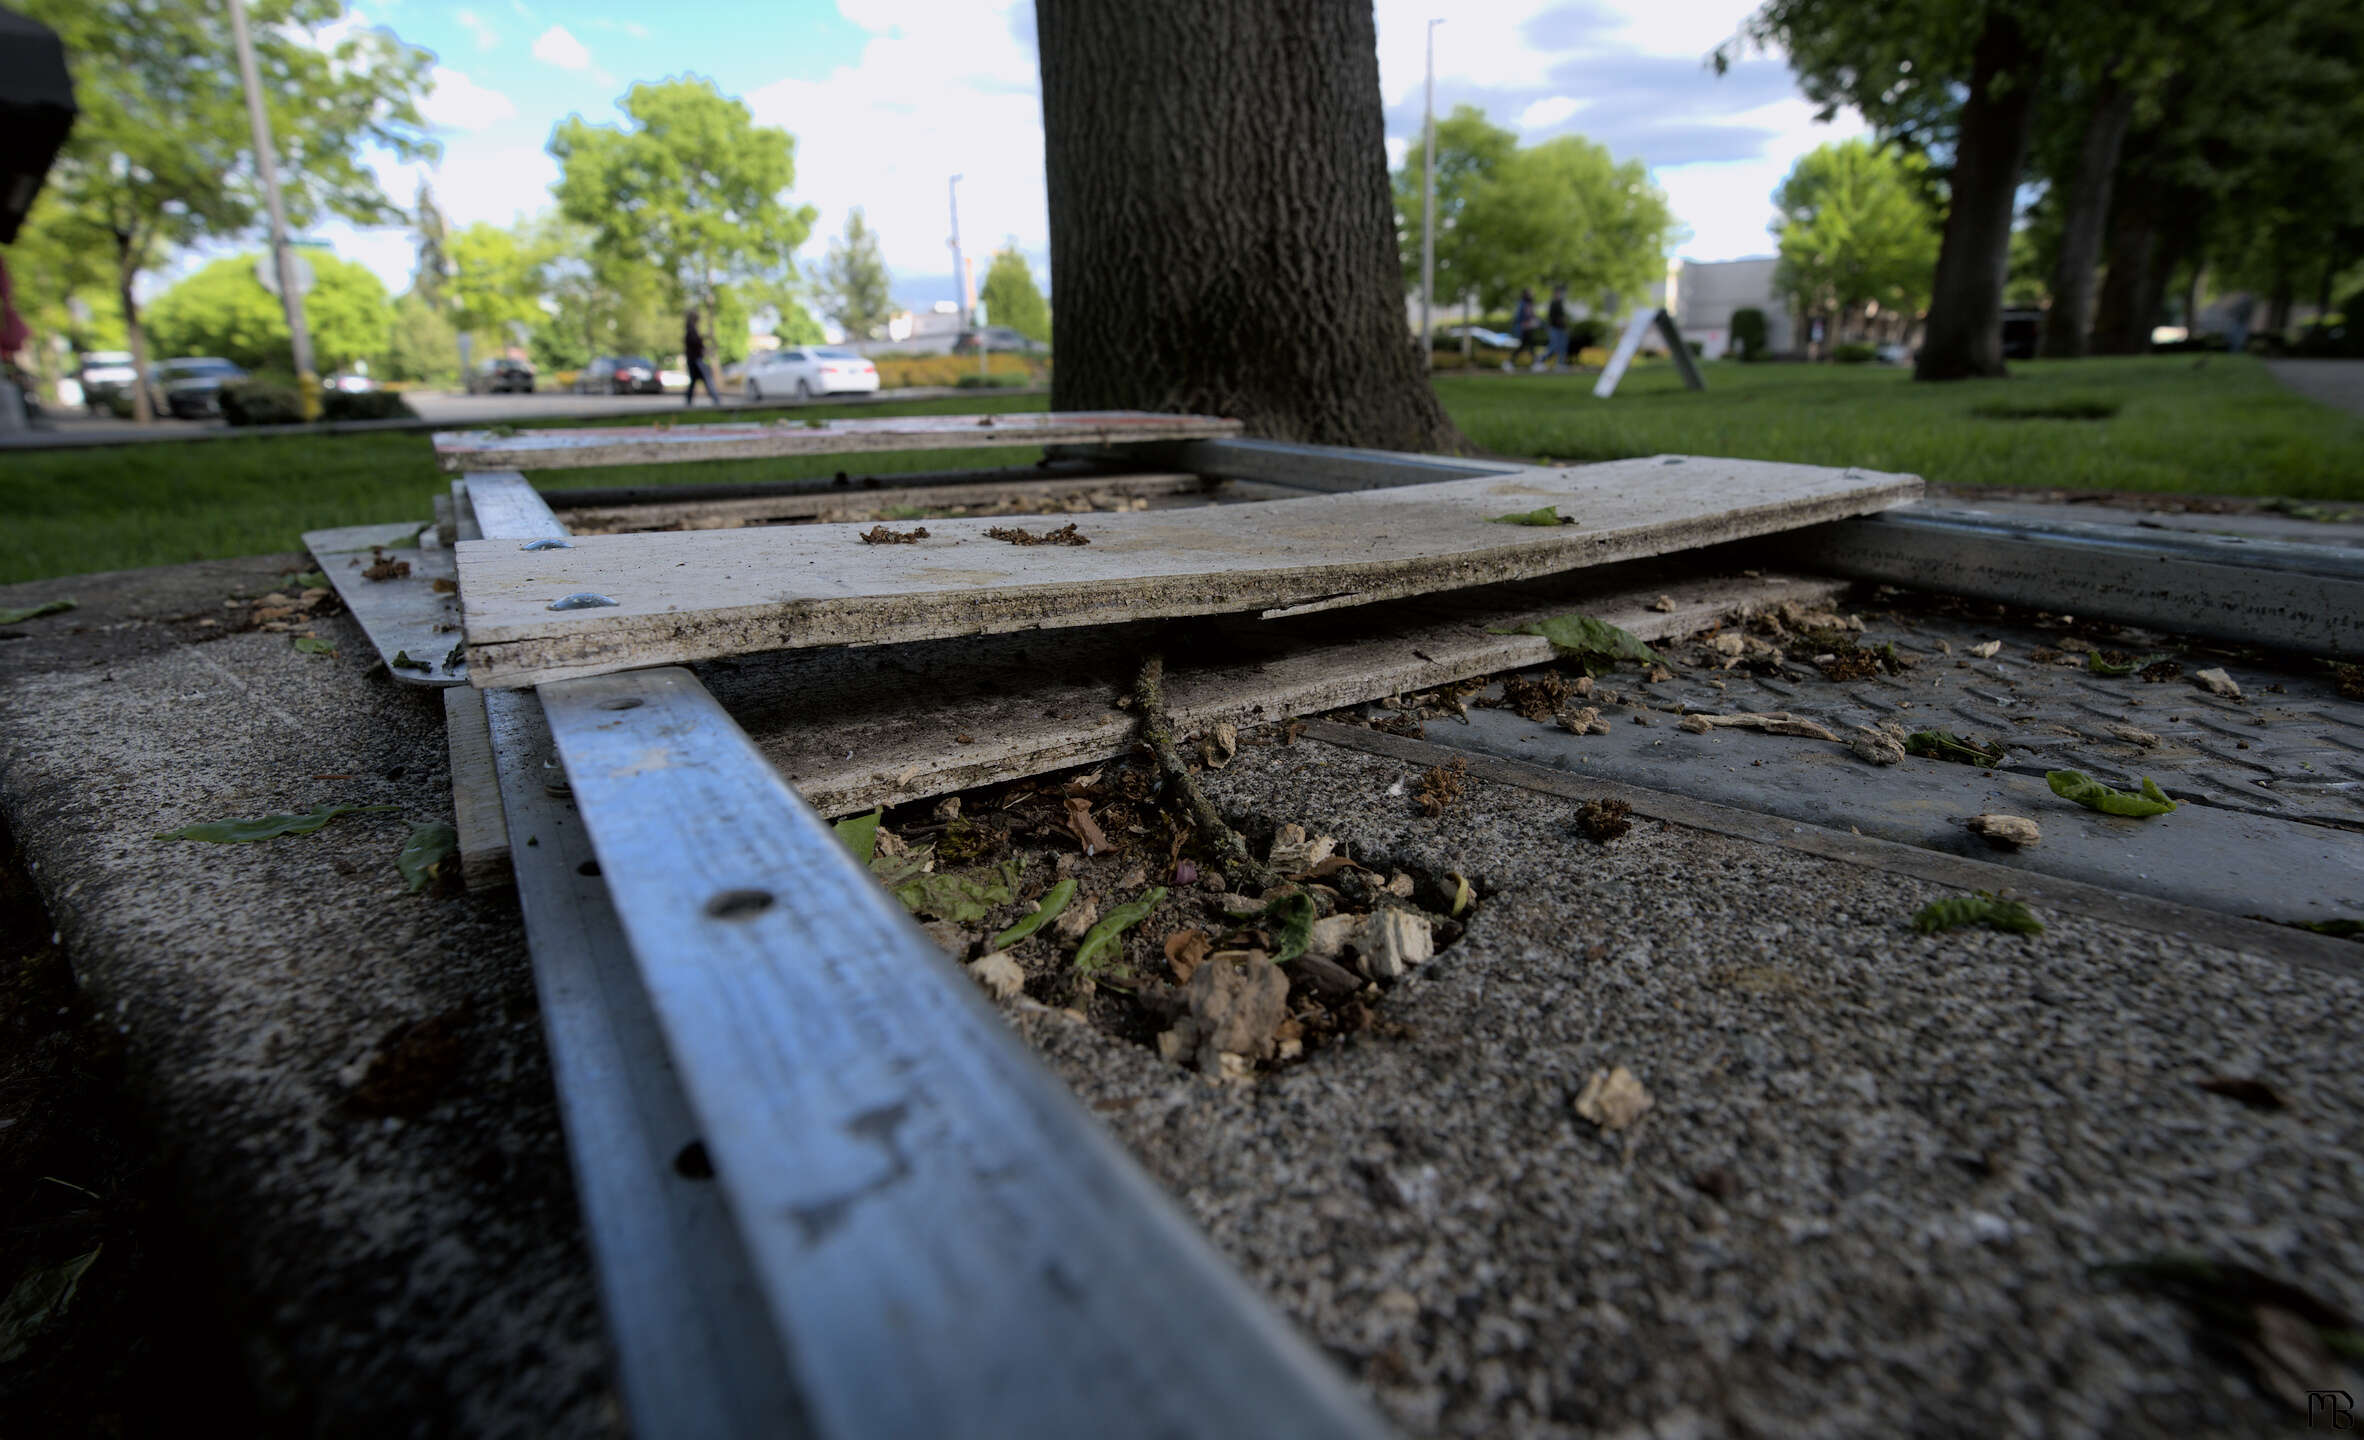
x=2164, y=424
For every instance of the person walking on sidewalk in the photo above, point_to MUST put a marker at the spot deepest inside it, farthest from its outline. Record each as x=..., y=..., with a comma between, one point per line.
x=693, y=354
x=1522, y=329
x=1555, y=326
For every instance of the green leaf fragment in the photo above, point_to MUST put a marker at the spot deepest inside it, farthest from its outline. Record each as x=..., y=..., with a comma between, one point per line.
x=35, y=612
x=402, y=661
x=1295, y=914
x=423, y=854
x=309, y=580
x=1981, y=908
x=2093, y=795
x=267, y=827
x=2337, y=929
x=1045, y=911
x=1583, y=635
x=1945, y=745
x=314, y=645
x=37, y=1301
x=860, y=834
x=1548, y=515
x=962, y=899
x=2096, y=665
x=1106, y=937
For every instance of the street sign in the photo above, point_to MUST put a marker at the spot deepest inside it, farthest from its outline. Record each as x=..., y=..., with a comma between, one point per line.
x=268, y=273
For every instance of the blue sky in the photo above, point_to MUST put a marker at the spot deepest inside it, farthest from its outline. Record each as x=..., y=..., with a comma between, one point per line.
x=887, y=98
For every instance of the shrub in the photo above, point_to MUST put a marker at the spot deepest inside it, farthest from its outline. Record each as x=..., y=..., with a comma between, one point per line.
x=1588, y=333
x=265, y=399
x=899, y=372
x=992, y=380
x=368, y=405
x=1851, y=354
x=1748, y=333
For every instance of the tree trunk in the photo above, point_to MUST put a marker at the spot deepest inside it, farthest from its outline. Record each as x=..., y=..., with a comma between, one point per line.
x=1221, y=221
x=1974, y=259
x=2066, y=332
x=2278, y=306
x=2122, y=322
x=126, y=271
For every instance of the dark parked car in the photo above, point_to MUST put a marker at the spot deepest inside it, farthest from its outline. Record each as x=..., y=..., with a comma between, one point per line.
x=501, y=376
x=621, y=375
x=190, y=388
x=2021, y=330
x=997, y=337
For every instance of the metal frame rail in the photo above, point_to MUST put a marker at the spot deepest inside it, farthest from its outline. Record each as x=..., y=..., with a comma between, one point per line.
x=911, y=1227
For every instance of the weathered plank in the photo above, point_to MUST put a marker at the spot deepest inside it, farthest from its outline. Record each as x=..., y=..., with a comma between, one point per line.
x=696, y=1353
x=851, y=505
x=407, y=619
x=468, y=450
x=949, y=1243
x=475, y=791
x=882, y=725
x=696, y=595
x=508, y=510
x=1313, y=467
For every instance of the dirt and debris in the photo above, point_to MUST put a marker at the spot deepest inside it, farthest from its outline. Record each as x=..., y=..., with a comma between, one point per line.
x=2216, y=682
x=385, y=567
x=412, y=1068
x=1440, y=789
x=1066, y=534
x=881, y=535
x=2349, y=679
x=2254, y=1093
x=2005, y=832
x=2160, y=671
x=1613, y=1099
x=1603, y=820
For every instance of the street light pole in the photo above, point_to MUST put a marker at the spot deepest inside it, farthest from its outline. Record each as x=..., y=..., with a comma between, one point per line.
x=299, y=334
x=1428, y=211
x=959, y=274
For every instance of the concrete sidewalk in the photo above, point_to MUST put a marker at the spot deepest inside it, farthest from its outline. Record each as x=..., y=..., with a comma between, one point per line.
x=2336, y=383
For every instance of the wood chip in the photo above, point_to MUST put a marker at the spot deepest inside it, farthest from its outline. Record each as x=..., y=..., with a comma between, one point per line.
x=1777, y=722
x=2006, y=831
x=2216, y=682
x=1987, y=651
x=1613, y=1099
x=999, y=974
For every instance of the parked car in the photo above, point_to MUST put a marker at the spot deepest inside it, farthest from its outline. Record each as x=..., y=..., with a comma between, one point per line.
x=808, y=370
x=1893, y=353
x=191, y=387
x=620, y=375
x=349, y=382
x=501, y=376
x=104, y=374
x=2021, y=330
x=997, y=337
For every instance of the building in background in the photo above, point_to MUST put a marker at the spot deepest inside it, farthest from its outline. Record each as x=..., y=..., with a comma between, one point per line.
x=1703, y=297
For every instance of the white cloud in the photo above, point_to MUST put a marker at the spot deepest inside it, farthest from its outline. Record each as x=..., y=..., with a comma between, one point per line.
x=937, y=91
x=486, y=36
x=1546, y=113
x=555, y=46
x=459, y=103
x=1729, y=206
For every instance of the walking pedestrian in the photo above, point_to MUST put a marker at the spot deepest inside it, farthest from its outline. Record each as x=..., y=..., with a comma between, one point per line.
x=693, y=353
x=1555, y=325
x=1522, y=329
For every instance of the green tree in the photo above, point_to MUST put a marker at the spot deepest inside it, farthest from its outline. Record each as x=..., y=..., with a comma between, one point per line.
x=162, y=157
x=421, y=344
x=431, y=237
x=1470, y=151
x=224, y=310
x=690, y=185
x=496, y=280
x=854, y=279
x=1564, y=213
x=1012, y=298
x=1856, y=228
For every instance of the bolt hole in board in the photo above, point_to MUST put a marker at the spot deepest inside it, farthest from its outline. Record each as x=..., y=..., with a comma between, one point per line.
x=739, y=904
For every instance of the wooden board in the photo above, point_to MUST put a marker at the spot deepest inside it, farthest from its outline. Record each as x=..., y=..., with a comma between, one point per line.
x=508, y=511
x=475, y=791
x=703, y=594
x=838, y=506
x=851, y=729
x=467, y=450
x=402, y=617
x=948, y=1242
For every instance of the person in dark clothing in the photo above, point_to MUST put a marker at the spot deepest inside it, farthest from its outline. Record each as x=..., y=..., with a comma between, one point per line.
x=1555, y=325
x=1522, y=329
x=693, y=353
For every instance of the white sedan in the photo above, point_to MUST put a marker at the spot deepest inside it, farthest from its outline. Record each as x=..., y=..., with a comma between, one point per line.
x=805, y=371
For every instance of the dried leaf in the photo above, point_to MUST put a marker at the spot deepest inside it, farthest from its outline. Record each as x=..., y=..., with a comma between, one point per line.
x=2006, y=830
x=2117, y=662
x=1613, y=1099
x=1945, y=745
x=1584, y=636
x=860, y=834
x=1045, y=911
x=267, y=827
x=1988, y=650
x=962, y=899
x=1184, y=950
x=1548, y=515
x=2216, y=682
x=1293, y=915
x=37, y=1301
x=1462, y=893
x=1083, y=827
x=1981, y=908
x=999, y=974
x=1107, y=937
x=34, y=612
x=423, y=854
x=2093, y=795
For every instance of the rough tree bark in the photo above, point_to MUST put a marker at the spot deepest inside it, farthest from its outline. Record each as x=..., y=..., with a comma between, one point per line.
x=1965, y=335
x=127, y=272
x=1221, y=223
x=2122, y=321
x=2068, y=330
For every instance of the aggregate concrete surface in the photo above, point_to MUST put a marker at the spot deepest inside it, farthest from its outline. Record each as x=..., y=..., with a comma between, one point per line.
x=1867, y=1200
x=400, y=1248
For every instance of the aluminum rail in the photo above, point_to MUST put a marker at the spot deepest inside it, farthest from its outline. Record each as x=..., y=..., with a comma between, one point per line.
x=2307, y=598
x=928, y=1235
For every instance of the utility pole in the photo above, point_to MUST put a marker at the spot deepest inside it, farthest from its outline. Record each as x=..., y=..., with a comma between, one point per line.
x=959, y=272
x=282, y=259
x=1428, y=212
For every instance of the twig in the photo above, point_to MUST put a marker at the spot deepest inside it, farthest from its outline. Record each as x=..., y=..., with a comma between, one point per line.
x=1149, y=705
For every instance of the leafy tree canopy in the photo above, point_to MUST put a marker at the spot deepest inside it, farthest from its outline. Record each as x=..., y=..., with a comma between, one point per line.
x=1012, y=298
x=1856, y=226
x=224, y=310
x=854, y=279
x=496, y=278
